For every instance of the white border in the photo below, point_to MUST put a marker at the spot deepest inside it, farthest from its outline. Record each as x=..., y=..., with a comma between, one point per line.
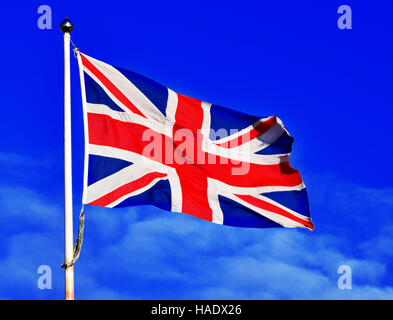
x=86, y=128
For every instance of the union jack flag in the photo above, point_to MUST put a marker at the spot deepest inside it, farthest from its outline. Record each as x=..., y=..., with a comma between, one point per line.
x=146, y=144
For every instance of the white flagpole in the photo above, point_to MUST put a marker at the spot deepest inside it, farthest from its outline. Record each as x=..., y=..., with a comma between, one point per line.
x=66, y=26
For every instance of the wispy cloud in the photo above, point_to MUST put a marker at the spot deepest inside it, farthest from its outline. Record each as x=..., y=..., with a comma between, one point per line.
x=146, y=253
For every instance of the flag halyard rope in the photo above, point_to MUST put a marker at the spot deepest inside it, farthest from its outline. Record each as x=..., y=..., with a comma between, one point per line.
x=75, y=50
x=78, y=242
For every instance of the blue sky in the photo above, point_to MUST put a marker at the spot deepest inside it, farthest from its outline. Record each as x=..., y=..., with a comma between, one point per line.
x=332, y=88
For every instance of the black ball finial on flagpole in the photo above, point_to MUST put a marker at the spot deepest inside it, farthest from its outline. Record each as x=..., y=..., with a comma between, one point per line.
x=66, y=25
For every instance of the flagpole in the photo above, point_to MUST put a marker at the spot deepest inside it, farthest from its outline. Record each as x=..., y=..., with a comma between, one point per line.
x=66, y=26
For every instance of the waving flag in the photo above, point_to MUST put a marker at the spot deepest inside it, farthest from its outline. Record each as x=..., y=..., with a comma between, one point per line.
x=146, y=144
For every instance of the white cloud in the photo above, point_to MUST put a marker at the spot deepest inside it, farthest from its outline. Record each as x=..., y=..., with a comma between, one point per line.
x=144, y=253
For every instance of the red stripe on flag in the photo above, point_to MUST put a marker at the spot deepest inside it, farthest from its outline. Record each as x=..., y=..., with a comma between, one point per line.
x=195, y=200
x=126, y=189
x=105, y=131
x=110, y=86
x=272, y=208
x=189, y=114
x=261, y=128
